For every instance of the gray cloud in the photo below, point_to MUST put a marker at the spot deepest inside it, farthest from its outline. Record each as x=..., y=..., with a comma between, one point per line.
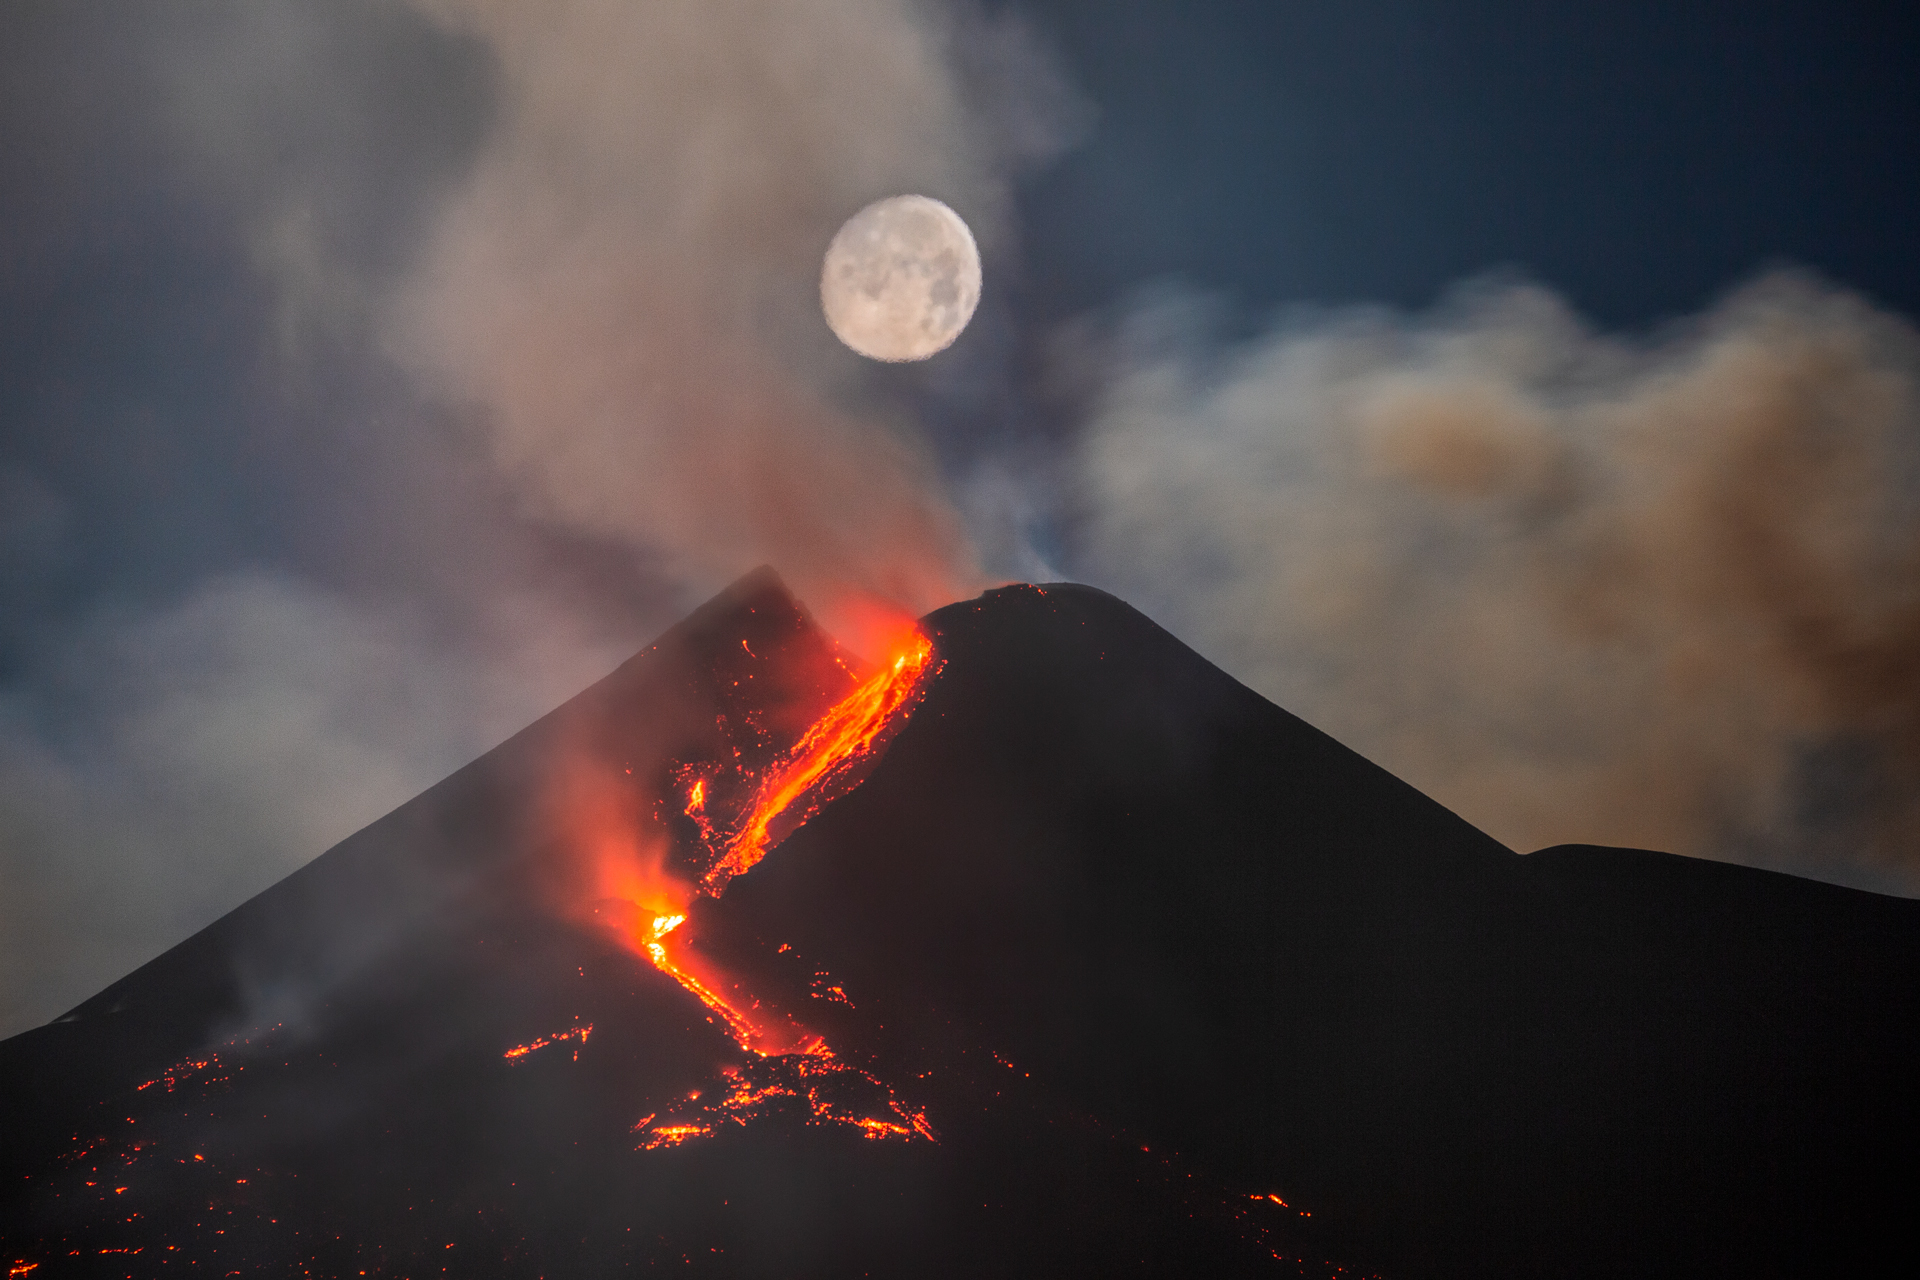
x=169, y=764
x=1660, y=592
x=625, y=287
x=537, y=364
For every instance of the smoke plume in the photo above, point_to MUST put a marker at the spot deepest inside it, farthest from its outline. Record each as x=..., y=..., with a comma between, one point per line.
x=626, y=285
x=1660, y=592
x=444, y=354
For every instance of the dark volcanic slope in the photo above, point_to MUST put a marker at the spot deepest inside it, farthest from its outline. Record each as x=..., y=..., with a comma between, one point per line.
x=317, y=1079
x=1144, y=949
x=322, y=1082
x=377, y=915
x=1188, y=912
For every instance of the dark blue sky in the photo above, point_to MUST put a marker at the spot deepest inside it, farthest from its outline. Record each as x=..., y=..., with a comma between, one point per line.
x=1640, y=157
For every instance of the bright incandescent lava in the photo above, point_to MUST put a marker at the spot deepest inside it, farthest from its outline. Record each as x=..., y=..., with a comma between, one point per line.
x=788, y=1062
x=839, y=740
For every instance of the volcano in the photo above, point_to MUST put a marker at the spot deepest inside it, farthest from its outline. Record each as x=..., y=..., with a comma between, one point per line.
x=1039, y=947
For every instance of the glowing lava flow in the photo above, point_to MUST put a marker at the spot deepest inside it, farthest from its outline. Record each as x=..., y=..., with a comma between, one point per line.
x=761, y=1037
x=791, y=1066
x=843, y=736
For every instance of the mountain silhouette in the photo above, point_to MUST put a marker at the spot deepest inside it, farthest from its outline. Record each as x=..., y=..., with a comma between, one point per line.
x=1100, y=964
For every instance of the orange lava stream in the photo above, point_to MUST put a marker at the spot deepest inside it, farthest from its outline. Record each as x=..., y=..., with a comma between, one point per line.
x=844, y=734
x=790, y=1064
x=755, y=1037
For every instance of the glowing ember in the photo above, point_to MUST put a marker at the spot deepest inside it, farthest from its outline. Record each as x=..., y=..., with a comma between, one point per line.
x=520, y=1051
x=672, y=1135
x=840, y=738
x=815, y=1086
x=696, y=806
x=172, y=1076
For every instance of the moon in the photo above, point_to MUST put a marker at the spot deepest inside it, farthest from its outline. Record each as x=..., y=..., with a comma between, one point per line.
x=901, y=279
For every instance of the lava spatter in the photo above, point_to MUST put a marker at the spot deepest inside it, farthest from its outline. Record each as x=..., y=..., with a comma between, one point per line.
x=813, y=1085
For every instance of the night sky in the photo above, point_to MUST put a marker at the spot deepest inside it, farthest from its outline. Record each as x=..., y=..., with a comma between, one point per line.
x=1639, y=158
x=1526, y=394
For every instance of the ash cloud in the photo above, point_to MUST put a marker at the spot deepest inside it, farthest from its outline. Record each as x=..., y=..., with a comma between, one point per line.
x=626, y=286
x=1660, y=591
x=392, y=371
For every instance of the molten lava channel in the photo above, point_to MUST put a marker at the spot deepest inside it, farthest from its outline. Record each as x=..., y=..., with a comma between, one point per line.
x=841, y=738
x=789, y=1063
